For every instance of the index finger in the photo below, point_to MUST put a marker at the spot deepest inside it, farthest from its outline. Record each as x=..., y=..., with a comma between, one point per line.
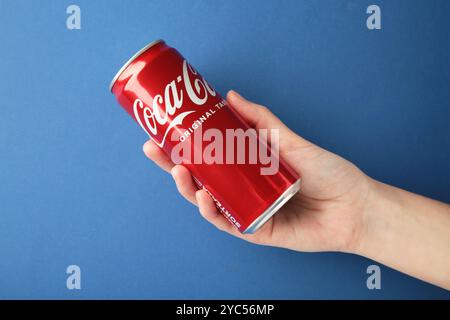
x=157, y=155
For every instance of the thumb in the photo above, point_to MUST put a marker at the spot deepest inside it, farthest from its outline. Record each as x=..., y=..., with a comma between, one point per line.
x=260, y=117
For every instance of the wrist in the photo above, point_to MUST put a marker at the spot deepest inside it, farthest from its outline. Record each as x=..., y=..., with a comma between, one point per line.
x=377, y=222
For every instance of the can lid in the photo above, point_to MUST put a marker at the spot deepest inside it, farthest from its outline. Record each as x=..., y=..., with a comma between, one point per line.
x=137, y=54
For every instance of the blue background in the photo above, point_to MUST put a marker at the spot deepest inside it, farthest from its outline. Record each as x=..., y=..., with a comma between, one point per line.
x=75, y=187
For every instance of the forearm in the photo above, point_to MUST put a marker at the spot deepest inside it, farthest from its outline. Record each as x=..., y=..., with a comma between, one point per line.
x=407, y=232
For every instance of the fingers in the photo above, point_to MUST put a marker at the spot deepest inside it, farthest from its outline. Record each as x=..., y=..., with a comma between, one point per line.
x=180, y=174
x=207, y=208
x=209, y=211
x=157, y=155
x=185, y=185
x=256, y=115
x=187, y=188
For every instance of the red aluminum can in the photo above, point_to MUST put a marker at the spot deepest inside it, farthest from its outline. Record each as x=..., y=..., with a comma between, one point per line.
x=166, y=96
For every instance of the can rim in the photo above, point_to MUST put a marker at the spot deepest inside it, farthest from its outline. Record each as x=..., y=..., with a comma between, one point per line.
x=274, y=207
x=137, y=54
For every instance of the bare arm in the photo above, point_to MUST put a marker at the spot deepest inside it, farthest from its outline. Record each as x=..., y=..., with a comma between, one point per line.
x=409, y=233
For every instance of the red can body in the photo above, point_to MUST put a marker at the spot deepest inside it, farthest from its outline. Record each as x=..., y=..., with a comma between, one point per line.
x=165, y=95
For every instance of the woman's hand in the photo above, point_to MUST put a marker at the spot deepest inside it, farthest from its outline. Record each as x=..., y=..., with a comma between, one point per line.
x=326, y=215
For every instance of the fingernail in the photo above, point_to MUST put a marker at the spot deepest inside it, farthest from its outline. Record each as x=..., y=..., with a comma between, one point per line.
x=233, y=94
x=143, y=146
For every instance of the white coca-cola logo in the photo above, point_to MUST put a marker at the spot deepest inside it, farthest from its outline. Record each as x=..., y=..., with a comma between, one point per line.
x=154, y=119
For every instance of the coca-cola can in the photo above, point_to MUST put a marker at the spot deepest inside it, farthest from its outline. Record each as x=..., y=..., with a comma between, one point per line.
x=178, y=108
